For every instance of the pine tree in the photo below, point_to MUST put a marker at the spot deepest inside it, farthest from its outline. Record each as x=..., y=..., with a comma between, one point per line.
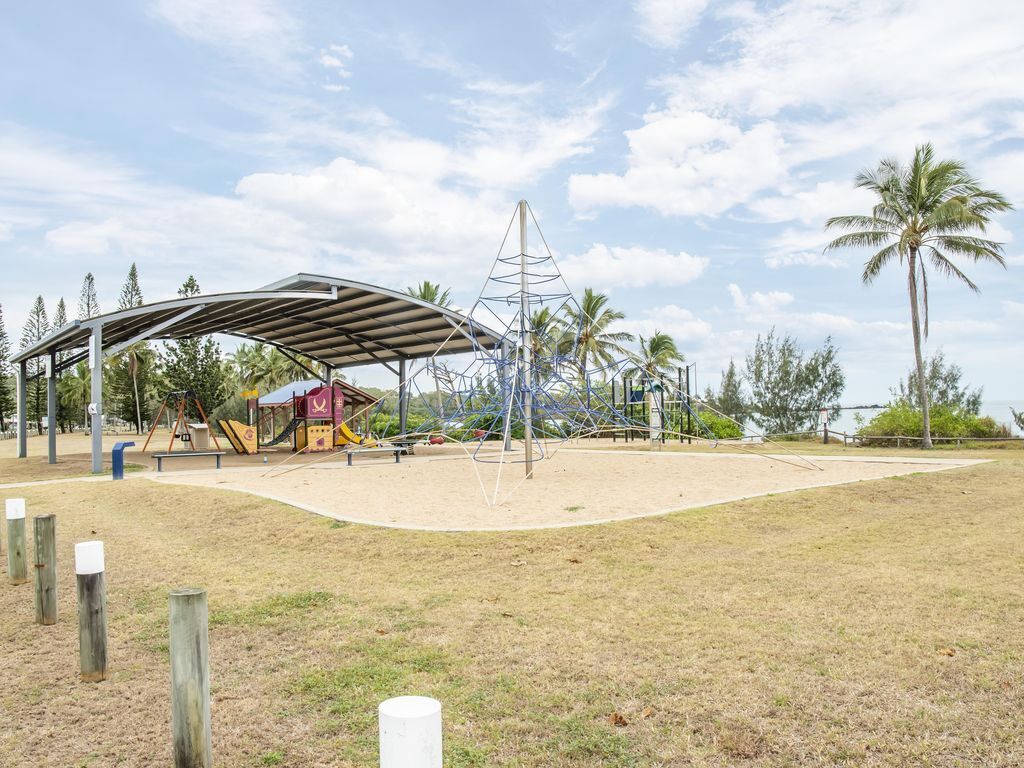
x=729, y=399
x=7, y=400
x=60, y=319
x=36, y=327
x=195, y=364
x=88, y=304
x=189, y=288
x=131, y=293
x=60, y=316
x=130, y=371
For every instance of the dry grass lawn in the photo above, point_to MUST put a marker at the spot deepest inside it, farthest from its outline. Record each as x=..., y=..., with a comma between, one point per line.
x=870, y=624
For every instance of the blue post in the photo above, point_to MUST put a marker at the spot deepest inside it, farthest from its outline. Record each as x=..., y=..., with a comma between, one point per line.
x=117, y=459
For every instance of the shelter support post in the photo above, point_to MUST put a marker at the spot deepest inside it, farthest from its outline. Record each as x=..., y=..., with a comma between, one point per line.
x=23, y=409
x=403, y=396
x=96, y=397
x=51, y=407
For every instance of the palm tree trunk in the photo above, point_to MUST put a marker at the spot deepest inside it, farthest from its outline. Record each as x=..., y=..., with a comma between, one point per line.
x=915, y=322
x=138, y=406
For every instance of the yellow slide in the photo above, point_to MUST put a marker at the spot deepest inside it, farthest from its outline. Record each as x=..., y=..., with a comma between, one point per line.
x=241, y=436
x=344, y=436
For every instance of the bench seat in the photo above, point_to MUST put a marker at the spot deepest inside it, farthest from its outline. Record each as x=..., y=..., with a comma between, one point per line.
x=184, y=455
x=398, y=450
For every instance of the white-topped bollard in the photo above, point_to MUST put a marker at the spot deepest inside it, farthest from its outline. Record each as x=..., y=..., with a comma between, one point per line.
x=17, y=564
x=92, y=611
x=410, y=732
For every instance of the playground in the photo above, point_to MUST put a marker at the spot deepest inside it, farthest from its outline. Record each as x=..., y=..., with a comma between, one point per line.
x=718, y=635
x=562, y=551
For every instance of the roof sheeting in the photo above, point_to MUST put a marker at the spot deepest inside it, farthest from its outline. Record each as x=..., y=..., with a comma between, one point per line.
x=337, y=322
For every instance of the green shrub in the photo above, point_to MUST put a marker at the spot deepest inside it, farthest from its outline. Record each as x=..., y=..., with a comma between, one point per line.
x=902, y=420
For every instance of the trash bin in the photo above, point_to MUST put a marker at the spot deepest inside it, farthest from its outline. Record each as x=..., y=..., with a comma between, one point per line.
x=117, y=459
x=200, y=436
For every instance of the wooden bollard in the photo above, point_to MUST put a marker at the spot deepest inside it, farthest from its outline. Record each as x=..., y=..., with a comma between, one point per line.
x=92, y=611
x=17, y=564
x=45, y=536
x=190, y=679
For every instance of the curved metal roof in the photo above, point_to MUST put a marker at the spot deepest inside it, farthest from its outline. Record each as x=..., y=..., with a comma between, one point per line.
x=337, y=322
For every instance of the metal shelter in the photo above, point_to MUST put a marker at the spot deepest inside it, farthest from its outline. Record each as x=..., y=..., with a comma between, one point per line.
x=338, y=323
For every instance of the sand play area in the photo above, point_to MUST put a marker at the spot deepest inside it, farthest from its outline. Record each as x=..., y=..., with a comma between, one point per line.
x=444, y=491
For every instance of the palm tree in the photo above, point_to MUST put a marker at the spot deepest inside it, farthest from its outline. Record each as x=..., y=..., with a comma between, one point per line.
x=589, y=324
x=428, y=291
x=925, y=213
x=138, y=357
x=74, y=388
x=657, y=357
x=652, y=364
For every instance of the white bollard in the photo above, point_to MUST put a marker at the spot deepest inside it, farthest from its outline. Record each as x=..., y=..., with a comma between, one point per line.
x=410, y=732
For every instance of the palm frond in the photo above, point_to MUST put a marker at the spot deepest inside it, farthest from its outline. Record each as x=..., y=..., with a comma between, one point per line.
x=875, y=264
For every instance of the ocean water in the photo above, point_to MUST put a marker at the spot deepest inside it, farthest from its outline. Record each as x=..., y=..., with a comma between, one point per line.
x=997, y=409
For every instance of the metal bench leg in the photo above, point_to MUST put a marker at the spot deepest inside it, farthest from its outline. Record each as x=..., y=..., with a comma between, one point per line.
x=349, y=457
x=398, y=457
x=218, y=462
x=159, y=464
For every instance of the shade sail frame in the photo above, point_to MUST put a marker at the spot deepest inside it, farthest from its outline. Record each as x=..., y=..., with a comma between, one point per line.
x=337, y=322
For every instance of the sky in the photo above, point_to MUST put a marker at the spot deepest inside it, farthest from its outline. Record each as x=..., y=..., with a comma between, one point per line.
x=680, y=155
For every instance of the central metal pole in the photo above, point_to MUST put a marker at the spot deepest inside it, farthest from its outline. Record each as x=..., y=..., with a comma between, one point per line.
x=526, y=353
x=96, y=395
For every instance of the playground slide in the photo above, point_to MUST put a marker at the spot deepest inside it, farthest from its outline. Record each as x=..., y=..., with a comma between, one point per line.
x=344, y=436
x=241, y=436
x=285, y=433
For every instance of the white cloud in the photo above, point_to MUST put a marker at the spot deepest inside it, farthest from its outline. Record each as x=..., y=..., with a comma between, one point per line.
x=757, y=301
x=813, y=206
x=686, y=164
x=771, y=104
x=607, y=267
x=335, y=60
x=664, y=23
x=855, y=62
x=801, y=247
x=259, y=32
x=685, y=328
x=1013, y=308
x=510, y=141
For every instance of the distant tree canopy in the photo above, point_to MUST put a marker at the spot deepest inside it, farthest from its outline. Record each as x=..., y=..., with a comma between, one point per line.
x=7, y=401
x=195, y=364
x=729, y=399
x=428, y=291
x=88, y=304
x=788, y=387
x=942, y=384
x=1018, y=418
x=36, y=327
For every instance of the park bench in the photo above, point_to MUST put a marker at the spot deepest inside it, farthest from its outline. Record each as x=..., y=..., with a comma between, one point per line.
x=184, y=455
x=398, y=450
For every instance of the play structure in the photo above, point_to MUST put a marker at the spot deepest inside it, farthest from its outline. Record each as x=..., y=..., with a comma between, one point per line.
x=517, y=401
x=185, y=405
x=311, y=416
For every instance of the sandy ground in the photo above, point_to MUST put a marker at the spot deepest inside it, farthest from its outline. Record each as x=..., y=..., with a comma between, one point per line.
x=575, y=487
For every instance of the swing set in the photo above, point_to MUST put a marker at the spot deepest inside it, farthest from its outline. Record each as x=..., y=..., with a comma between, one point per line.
x=178, y=402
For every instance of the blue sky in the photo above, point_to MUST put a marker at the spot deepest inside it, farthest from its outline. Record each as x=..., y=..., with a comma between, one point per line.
x=680, y=154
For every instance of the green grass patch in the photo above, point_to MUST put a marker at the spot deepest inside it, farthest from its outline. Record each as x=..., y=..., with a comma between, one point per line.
x=277, y=607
